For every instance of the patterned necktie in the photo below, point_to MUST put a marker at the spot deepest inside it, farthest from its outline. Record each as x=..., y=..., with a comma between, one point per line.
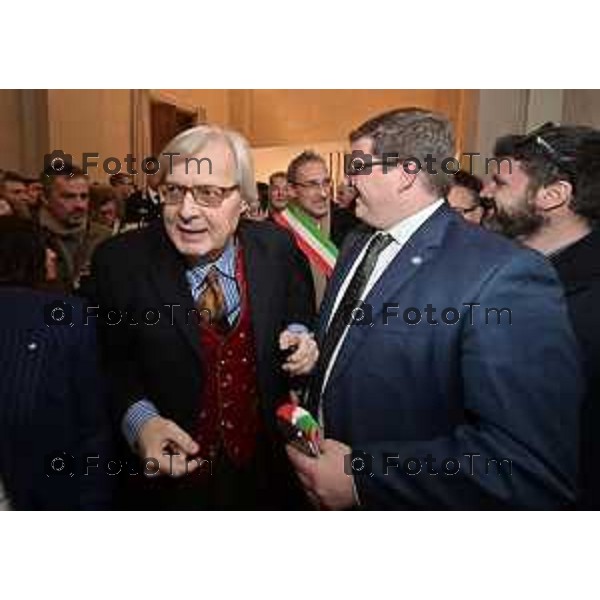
x=343, y=313
x=211, y=302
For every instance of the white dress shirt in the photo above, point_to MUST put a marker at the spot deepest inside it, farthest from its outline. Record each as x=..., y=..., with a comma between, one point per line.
x=401, y=232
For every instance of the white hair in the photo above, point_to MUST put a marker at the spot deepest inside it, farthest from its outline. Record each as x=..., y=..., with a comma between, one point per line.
x=191, y=141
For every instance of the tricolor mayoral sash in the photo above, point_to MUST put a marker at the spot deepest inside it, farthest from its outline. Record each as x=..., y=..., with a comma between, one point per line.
x=319, y=249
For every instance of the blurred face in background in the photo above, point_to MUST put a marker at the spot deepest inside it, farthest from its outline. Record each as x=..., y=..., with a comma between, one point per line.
x=278, y=193
x=16, y=193
x=345, y=194
x=312, y=188
x=5, y=208
x=466, y=203
x=108, y=213
x=35, y=192
x=123, y=189
x=69, y=200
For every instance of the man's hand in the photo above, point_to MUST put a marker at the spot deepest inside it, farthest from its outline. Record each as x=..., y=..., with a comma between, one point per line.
x=304, y=358
x=159, y=438
x=323, y=478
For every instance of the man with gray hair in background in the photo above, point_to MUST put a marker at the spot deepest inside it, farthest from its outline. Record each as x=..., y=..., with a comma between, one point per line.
x=196, y=391
x=448, y=374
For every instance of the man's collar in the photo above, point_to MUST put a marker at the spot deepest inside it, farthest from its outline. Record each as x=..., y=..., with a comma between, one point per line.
x=402, y=230
x=224, y=263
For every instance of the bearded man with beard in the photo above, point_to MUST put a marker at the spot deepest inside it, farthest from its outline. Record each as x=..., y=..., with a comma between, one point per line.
x=546, y=191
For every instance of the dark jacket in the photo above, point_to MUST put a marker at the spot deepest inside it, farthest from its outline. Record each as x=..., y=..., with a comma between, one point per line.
x=52, y=406
x=578, y=267
x=510, y=391
x=142, y=270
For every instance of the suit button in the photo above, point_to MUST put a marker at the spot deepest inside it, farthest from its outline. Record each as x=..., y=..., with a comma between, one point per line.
x=32, y=347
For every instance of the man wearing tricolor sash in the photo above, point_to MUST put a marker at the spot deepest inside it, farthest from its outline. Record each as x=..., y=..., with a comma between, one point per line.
x=308, y=215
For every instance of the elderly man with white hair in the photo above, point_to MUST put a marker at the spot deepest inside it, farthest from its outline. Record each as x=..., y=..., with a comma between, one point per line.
x=197, y=384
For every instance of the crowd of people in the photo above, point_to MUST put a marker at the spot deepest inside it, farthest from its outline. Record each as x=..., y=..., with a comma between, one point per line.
x=439, y=327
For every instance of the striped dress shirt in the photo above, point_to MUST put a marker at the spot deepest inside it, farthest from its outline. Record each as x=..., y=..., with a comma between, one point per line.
x=143, y=410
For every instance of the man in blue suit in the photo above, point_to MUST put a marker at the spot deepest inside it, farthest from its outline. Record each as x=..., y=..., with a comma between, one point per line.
x=456, y=382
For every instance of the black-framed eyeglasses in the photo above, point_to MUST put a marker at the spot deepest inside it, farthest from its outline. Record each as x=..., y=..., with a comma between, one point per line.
x=326, y=184
x=211, y=196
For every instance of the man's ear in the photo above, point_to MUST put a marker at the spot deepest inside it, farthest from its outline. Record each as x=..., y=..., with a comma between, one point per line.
x=410, y=167
x=554, y=195
x=406, y=174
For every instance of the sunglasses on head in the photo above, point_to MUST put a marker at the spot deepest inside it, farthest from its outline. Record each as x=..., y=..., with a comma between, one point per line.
x=539, y=139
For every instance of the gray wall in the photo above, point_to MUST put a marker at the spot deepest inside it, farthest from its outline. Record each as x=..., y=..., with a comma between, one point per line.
x=517, y=111
x=582, y=107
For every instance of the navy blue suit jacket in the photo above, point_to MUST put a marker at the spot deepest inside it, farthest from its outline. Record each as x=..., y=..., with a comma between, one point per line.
x=500, y=391
x=51, y=402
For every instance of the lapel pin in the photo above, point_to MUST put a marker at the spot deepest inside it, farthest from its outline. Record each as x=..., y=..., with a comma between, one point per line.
x=32, y=346
x=416, y=260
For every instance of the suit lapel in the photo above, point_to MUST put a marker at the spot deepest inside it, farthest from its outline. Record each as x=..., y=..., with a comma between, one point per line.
x=167, y=273
x=413, y=256
x=261, y=273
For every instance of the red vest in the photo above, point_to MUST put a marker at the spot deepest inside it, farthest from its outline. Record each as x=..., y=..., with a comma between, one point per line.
x=229, y=419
